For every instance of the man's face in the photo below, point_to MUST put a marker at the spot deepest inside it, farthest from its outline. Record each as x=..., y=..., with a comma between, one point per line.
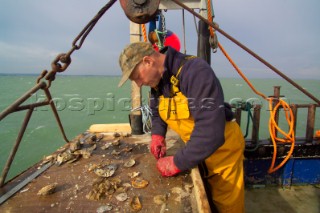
x=146, y=74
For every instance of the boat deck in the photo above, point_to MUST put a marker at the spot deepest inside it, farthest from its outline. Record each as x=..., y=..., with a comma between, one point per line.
x=82, y=183
x=79, y=188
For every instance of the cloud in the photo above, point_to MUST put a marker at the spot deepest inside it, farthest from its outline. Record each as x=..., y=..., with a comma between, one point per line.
x=284, y=33
x=29, y=52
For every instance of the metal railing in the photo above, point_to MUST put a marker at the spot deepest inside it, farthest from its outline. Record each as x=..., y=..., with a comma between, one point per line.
x=18, y=106
x=307, y=141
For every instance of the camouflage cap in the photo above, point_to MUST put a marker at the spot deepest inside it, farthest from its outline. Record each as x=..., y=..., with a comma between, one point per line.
x=130, y=56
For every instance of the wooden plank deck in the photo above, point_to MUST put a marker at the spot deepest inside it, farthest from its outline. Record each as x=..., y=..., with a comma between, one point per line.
x=75, y=181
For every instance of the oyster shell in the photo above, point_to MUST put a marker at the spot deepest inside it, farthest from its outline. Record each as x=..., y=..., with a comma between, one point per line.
x=93, y=166
x=106, y=146
x=126, y=149
x=108, y=171
x=86, y=153
x=74, y=145
x=159, y=199
x=46, y=190
x=49, y=158
x=129, y=163
x=64, y=157
x=115, y=153
x=126, y=185
x=116, y=142
x=116, y=134
x=180, y=193
x=134, y=174
x=87, y=138
x=99, y=189
x=104, y=208
x=135, y=203
x=99, y=137
x=122, y=197
x=139, y=183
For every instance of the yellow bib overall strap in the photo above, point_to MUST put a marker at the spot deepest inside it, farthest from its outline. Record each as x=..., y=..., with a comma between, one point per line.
x=225, y=165
x=175, y=109
x=174, y=79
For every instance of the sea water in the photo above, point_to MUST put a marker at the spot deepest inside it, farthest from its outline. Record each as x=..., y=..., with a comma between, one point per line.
x=85, y=100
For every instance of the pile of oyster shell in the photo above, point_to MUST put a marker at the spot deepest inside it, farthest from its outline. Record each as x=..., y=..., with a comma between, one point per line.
x=107, y=184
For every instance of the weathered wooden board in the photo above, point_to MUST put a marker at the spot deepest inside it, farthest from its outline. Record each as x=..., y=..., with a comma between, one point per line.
x=75, y=180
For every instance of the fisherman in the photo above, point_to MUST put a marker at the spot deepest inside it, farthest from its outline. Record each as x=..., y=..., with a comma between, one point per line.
x=187, y=97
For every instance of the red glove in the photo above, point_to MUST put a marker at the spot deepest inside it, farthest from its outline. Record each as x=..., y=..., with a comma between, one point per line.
x=158, y=146
x=167, y=167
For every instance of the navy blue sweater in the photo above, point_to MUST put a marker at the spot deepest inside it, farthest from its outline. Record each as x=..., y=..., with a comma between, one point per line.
x=199, y=84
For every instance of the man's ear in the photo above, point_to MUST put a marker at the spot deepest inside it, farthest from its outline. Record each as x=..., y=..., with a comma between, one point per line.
x=147, y=60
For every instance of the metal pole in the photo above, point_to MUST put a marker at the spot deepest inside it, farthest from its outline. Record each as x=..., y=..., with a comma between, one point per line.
x=310, y=122
x=276, y=96
x=15, y=148
x=203, y=42
x=256, y=124
x=135, y=117
x=22, y=99
x=56, y=115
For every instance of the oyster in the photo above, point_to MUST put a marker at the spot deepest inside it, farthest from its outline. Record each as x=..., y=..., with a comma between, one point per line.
x=106, y=146
x=108, y=171
x=160, y=199
x=46, y=190
x=104, y=208
x=92, y=167
x=129, y=163
x=115, y=182
x=126, y=149
x=180, y=193
x=116, y=135
x=116, y=142
x=122, y=197
x=135, y=203
x=126, y=185
x=91, y=140
x=74, y=145
x=139, y=183
x=49, y=158
x=115, y=153
x=99, y=137
x=86, y=153
x=99, y=189
x=64, y=157
x=121, y=189
x=86, y=138
x=134, y=174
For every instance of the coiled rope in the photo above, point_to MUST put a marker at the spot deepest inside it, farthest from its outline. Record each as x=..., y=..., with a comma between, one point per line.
x=146, y=117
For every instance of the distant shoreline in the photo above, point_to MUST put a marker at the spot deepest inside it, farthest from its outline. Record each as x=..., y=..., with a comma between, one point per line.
x=97, y=75
x=34, y=74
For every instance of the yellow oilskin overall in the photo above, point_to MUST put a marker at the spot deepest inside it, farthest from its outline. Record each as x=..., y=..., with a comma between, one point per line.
x=225, y=165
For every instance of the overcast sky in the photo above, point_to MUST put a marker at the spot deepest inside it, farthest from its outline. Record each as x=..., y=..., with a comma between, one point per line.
x=283, y=32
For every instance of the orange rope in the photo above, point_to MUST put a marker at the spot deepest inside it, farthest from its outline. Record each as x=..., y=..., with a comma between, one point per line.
x=210, y=17
x=289, y=136
x=144, y=32
x=273, y=126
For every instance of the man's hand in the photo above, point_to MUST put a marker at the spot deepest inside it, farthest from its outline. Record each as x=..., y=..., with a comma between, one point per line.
x=158, y=146
x=167, y=167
